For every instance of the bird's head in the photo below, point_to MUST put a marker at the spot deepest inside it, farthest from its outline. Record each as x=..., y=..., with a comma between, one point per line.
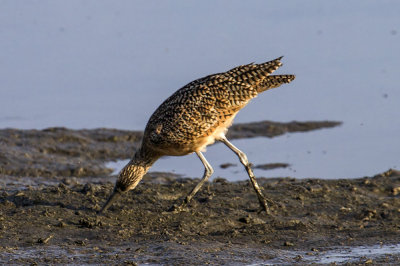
x=127, y=180
x=130, y=176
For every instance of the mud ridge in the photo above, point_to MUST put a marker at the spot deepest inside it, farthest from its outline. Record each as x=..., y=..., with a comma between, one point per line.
x=65, y=152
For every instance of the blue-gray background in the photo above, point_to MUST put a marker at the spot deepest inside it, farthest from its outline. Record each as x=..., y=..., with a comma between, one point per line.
x=88, y=64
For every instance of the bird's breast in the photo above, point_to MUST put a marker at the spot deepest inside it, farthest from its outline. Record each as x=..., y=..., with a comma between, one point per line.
x=218, y=133
x=171, y=146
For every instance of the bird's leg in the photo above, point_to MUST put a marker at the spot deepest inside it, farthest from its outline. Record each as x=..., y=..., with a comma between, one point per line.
x=243, y=159
x=208, y=171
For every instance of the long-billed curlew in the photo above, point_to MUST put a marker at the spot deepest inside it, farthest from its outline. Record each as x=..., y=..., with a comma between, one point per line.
x=196, y=116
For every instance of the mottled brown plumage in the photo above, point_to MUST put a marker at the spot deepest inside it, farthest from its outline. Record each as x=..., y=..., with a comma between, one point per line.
x=197, y=115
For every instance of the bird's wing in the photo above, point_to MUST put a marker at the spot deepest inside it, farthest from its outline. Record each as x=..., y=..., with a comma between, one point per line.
x=197, y=108
x=202, y=105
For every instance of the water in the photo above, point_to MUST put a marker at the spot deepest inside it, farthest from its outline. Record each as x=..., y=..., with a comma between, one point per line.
x=310, y=155
x=352, y=254
x=87, y=64
x=232, y=254
x=346, y=254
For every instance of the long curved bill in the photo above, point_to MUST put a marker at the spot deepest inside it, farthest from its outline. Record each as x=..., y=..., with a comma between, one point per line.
x=114, y=196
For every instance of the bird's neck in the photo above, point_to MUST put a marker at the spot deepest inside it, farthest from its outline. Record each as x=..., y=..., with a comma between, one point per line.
x=144, y=157
x=134, y=171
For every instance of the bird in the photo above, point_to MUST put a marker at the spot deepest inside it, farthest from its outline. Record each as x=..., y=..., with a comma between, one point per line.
x=196, y=116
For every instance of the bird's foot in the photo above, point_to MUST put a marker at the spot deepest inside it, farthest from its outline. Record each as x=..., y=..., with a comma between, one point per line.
x=264, y=206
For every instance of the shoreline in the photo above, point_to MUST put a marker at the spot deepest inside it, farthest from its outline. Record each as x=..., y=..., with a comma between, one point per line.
x=83, y=153
x=54, y=180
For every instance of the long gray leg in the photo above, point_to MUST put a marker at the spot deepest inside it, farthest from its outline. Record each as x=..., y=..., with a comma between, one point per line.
x=208, y=171
x=243, y=159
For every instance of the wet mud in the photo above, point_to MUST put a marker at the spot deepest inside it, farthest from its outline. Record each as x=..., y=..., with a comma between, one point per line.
x=221, y=225
x=51, y=217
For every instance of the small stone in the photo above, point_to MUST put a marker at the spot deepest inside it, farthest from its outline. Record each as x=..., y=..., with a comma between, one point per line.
x=288, y=244
x=315, y=189
x=61, y=224
x=395, y=190
x=80, y=242
x=345, y=209
x=245, y=220
x=220, y=180
x=44, y=240
x=251, y=220
x=226, y=165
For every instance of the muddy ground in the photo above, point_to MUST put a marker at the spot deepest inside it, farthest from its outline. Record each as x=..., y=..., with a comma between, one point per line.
x=53, y=181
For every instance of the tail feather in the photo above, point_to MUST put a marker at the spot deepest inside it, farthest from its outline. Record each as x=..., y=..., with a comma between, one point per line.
x=274, y=81
x=254, y=73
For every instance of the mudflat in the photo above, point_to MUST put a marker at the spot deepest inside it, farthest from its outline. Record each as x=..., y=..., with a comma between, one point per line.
x=53, y=181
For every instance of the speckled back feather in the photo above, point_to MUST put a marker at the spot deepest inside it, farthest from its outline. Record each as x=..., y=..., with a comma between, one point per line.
x=200, y=107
